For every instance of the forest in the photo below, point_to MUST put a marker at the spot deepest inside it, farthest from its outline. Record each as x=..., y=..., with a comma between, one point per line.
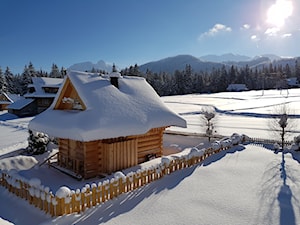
x=188, y=81
x=182, y=82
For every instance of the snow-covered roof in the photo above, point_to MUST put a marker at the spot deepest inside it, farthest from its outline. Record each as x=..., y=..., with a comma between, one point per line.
x=237, y=87
x=10, y=98
x=39, y=83
x=20, y=104
x=292, y=81
x=132, y=109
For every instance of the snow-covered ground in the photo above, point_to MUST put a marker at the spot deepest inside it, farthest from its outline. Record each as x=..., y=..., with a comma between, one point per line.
x=243, y=112
x=247, y=185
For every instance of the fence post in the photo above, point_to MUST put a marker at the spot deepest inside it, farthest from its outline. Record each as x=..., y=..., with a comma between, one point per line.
x=88, y=194
x=99, y=192
x=82, y=199
x=60, y=206
x=76, y=198
x=94, y=194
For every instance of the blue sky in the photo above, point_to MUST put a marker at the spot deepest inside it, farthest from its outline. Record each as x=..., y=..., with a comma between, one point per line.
x=65, y=32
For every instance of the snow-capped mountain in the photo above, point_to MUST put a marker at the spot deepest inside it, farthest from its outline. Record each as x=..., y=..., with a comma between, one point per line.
x=179, y=62
x=205, y=63
x=88, y=66
x=224, y=58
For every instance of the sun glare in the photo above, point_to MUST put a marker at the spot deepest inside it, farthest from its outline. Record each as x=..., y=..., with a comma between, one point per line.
x=278, y=12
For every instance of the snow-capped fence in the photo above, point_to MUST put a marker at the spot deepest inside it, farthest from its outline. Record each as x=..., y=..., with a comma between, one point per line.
x=66, y=201
x=267, y=141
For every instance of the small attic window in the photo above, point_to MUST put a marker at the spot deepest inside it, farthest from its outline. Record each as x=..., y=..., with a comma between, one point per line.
x=76, y=105
x=31, y=89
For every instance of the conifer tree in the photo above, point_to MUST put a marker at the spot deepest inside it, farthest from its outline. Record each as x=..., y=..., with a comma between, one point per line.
x=8, y=81
x=2, y=81
x=55, y=73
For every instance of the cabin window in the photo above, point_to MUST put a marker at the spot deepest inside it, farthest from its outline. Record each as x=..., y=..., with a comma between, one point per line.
x=31, y=89
x=51, y=90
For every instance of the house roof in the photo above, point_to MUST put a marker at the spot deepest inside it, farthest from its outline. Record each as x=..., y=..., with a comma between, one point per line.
x=237, y=87
x=41, y=82
x=10, y=98
x=132, y=109
x=20, y=104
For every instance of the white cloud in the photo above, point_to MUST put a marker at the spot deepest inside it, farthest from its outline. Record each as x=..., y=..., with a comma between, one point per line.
x=272, y=31
x=245, y=27
x=286, y=35
x=254, y=38
x=217, y=28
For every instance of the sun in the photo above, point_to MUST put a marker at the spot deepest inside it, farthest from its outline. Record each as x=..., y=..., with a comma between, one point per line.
x=279, y=12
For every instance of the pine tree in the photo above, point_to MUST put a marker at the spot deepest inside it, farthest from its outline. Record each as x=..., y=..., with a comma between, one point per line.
x=2, y=81
x=9, y=81
x=31, y=70
x=55, y=73
x=297, y=68
x=26, y=78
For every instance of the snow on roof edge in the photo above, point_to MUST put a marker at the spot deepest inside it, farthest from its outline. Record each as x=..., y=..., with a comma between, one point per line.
x=136, y=106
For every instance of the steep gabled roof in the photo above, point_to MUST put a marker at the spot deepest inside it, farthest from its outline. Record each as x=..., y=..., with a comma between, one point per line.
x=132, y=109
x=38, y=83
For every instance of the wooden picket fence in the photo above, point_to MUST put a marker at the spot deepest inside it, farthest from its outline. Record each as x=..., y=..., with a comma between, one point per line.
x=268, y=141
x=95, y=194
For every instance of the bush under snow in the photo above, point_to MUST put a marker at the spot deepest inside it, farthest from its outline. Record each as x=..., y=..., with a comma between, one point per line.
x=37, y=142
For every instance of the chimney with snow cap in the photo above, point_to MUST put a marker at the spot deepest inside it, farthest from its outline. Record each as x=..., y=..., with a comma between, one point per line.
x=114, y=78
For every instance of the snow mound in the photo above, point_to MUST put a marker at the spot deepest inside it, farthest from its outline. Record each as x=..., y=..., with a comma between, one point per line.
x=18, y=163
x=63, y=192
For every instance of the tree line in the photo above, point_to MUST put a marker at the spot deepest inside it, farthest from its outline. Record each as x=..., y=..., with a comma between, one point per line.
x=17, y=83
x=186, y=81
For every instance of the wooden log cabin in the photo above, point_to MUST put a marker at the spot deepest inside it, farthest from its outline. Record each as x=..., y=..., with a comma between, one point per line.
x=105, y=123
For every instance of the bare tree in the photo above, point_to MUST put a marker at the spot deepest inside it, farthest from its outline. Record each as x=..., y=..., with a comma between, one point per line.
x=281, y=124
x=208, y=115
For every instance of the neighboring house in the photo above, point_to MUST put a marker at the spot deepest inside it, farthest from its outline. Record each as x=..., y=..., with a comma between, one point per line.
x=293, y=82
x=39, y=97
x=237, y=87
x=7, y=99
x=105, y=123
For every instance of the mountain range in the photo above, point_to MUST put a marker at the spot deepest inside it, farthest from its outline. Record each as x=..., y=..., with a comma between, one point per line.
x=88, y=66
x=204, y=63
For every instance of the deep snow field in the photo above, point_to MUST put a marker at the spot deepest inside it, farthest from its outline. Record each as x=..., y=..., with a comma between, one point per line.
x=248, y=184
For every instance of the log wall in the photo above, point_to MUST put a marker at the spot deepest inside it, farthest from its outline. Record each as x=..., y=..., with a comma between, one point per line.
x=90, y=159
x=150, y=144
x=119, y=155
x=92, y=162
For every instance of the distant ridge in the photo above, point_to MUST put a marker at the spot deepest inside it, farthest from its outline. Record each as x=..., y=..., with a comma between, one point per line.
x=201, y=64
x=224, y=58
x=179, y=62
x=88, y=66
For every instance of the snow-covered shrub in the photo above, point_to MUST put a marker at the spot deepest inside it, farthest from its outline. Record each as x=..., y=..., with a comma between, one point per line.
x=226, y=142
x=236, y=138
x=37, y=142
x=294, y=147
x=195, y=152
x=296, y=144
x=216, y=145
x=276, y=146
x=165, y=161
